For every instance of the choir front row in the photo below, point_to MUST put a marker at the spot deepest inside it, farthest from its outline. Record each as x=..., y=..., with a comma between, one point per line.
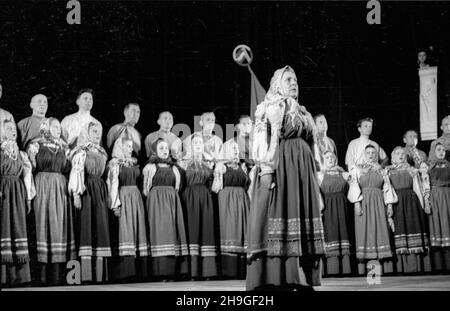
x=119, y=222
x=187, y=219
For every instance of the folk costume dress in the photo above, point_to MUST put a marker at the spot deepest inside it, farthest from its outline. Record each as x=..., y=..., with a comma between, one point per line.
x=439, y=219
x=54, y=213
x=411, y=238
x=338, y=222
x=168, y=248
x=128, y=230
x=285, y=234
x=231, y=182
x=371, y=186
x=93, y=237
x=202, y=219
x=16, y=187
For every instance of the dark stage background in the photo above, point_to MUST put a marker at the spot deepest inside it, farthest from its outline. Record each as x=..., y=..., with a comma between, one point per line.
x=177, y=56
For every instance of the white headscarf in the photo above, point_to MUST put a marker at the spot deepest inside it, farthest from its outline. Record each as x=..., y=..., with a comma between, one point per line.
x=119, y=153
x=276, y=95
x=228, y=152
x=8, y=146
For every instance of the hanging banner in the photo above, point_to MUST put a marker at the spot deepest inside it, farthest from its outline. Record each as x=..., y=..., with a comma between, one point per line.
x=243, y=56
x=428, y=103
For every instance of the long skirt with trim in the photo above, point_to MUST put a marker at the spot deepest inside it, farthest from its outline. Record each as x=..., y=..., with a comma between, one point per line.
x=15, y=260
x=411, y=234
x=439, y=221
x=263, y=271
x=130, y=240
x=295, y=227
x=372, y=234
x=54, y=226
x=339, y=235
x=93, y=230
x=234, y=206
x=203, y=235
x=167, y=233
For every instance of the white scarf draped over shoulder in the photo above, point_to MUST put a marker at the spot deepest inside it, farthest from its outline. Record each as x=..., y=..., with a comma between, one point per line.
x=271, y=113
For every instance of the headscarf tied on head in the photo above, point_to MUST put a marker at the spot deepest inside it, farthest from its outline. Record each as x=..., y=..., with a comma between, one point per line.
x=228, y=151
x=155, y=159
x=398, y=165
x=275, y=95
x=45, y=139
x=9, y=147
x=152, y=165
x=434, y=161
x=335, y=168
x=189, y=160
x=118, y=153
x=88, y=144
x=112, y=181
x=229, y=157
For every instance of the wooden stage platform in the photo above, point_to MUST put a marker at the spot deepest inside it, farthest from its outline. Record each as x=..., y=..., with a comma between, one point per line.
x=392, y=283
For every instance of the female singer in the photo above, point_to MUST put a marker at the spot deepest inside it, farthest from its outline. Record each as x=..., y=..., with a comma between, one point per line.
x=167, y=232
x=286, y=238
x=231, y=182
x=55, y=233
x=439, y=198
x=203, y=233
x=338, y=219
x=17, y=190
x=411, y=228
x=91, y=199
x=130, y=236
x=373, y=195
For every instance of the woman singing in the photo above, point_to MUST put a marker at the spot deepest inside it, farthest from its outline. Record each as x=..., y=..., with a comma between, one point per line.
x=286, y=237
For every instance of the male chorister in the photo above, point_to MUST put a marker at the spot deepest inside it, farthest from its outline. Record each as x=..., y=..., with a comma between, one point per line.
x=75, y=126
x=29, y=128
x=165, y=122
x=126, y=129
x=212, y=143
x=356, y=148
x=444, y=140
x=414, y=156
x=4, y=115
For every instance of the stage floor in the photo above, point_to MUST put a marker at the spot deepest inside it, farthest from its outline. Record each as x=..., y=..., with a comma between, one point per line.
x=397, y=283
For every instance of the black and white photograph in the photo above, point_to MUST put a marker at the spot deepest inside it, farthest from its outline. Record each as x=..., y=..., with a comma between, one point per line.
x=249, y=147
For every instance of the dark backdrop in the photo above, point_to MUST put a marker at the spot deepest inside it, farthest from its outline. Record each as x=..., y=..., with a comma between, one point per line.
x=177, y=56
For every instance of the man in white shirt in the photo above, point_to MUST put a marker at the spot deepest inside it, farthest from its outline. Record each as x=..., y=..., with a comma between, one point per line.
x=75, y=126
x=355, y=150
